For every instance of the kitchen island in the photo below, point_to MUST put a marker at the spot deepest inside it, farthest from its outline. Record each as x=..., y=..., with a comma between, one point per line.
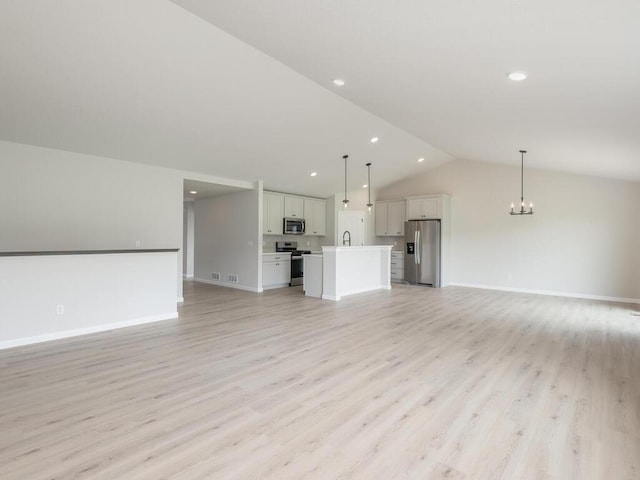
x=342, y=271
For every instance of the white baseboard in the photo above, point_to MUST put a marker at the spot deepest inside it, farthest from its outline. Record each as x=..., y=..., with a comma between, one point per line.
x=229, y=285
x=548, y=292
x=330, y=297
x=272, y=287
x=188, y=275
x=18, y=342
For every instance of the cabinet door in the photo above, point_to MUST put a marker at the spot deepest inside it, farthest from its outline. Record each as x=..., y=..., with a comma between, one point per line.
x=320, y=217
x=293, y=207
x=395, y=218
x=382, y=215
x=421, y=208
x=272, y=214
x=283, y=272
x=315, y=216
x=269, y=274
x=309, y=217
x=431, y=208
x=276, y=273
x=414, y=209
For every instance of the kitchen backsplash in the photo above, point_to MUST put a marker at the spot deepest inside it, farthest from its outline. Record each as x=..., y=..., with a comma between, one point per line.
x=304, y=243
x=397, y=242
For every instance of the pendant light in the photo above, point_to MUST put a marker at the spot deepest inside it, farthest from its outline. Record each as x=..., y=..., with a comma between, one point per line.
x=369, y=185
x=346, y=200
x=522, y=210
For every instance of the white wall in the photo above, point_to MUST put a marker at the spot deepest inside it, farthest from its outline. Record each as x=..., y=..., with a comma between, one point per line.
x=227, y=239
x=56, y=200
x=358, y=200
x=584, y=238
x=97, y=292
x=188, y=233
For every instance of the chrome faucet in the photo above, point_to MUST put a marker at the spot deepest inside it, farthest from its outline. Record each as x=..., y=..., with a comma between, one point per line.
x=346, y=239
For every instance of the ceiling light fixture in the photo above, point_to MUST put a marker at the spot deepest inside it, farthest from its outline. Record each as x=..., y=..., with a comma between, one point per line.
x=522, y=211
x=421, y=159
x=346, y=200
x=369, y=205
x=339, y=82
x=374, y=140
x=365, y=185
x=193, y=192
x=517, y=76
x=313, y=174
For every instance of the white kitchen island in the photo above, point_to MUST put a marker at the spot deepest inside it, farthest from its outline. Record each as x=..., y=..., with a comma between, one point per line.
x=342, y=271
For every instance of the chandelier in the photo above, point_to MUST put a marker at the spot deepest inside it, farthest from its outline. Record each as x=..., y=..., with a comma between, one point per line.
x=523, y=210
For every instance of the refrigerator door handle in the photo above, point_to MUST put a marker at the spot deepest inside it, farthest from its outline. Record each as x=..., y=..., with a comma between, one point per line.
x=418, y=248
x=415, y=245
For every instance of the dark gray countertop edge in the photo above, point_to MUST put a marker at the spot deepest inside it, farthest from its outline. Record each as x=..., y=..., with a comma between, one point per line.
x=86, y=252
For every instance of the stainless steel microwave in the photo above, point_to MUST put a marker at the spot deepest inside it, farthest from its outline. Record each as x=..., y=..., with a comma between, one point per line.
x=293, y=226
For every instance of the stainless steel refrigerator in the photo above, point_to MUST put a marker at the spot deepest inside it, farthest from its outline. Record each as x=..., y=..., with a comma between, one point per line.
x=422, y=252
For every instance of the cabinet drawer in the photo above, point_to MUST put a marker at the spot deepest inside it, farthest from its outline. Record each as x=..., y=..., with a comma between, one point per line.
x=276, y=258
x=397, y=274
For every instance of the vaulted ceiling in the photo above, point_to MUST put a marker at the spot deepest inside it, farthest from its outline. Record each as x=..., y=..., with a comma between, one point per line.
x=243, y=89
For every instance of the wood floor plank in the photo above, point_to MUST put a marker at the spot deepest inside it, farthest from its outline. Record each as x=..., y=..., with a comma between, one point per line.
x=411, y=383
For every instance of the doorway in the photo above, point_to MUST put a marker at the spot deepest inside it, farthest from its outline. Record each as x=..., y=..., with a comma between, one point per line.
x=353, y=223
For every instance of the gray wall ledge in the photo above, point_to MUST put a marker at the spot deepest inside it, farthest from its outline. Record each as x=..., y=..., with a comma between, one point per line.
x=85, y=252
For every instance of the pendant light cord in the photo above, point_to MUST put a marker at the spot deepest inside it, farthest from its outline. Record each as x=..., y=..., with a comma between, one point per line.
x=522, y=152
x=346, y=200
x=369, y=183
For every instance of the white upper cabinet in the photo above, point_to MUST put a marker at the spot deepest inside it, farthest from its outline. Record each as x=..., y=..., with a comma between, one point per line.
x=396, y=218
x=293, y=207
x=390, y=218
x=419, y=208
x=315, y=216
x=277, y=206
x=272, y=213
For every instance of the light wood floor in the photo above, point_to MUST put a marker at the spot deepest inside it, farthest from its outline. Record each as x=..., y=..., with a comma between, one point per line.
x=412, y=383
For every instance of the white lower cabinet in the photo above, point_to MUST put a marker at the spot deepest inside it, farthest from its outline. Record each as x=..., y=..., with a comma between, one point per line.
x=276, y=270
x=397, y=266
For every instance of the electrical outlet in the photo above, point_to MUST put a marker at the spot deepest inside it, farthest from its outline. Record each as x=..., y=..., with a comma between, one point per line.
x=138, y=243
x=59, y=309
x=250, y=243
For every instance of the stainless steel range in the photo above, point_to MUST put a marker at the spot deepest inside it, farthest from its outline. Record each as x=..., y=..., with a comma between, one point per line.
x=296, y=260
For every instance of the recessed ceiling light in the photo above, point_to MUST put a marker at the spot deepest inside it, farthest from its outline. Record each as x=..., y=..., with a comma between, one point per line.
x=365, y=185
x=421, y=159
x=193, y=192
x=374, y=139
x=339, y=82
x=313, y=174
x=517, y=76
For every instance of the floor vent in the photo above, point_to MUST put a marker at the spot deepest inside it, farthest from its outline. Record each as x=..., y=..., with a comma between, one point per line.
x=232, y=278
x=215, y=276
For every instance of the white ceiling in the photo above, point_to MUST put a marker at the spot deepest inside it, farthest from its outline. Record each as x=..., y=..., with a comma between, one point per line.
x=205, y=189
x=149, y=81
